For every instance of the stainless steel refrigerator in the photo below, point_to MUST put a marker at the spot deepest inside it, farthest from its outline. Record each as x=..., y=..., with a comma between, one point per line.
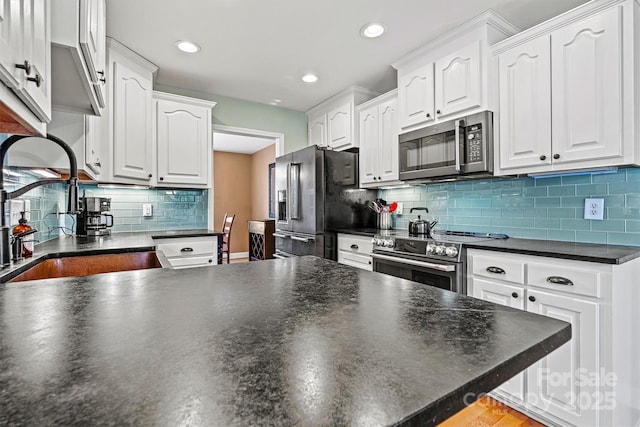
x=317, y=194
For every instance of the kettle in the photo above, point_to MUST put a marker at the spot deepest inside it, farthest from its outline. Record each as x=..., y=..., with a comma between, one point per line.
x=420, y=226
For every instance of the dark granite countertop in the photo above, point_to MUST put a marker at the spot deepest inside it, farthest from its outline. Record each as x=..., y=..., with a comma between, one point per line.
x=114, y=243
x=298, y=341
x=604, y=254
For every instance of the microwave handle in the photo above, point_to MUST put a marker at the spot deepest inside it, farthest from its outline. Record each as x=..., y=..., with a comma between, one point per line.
x=459, y=143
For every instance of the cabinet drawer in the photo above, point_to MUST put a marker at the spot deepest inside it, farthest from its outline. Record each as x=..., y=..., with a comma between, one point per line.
x=355, y=260
x=358, y=244
x=194, y=261
x=499, y=268
x=189, y=247
x=583, y=281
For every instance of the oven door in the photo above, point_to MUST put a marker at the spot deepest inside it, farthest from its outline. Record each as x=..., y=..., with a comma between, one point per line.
x=438, y=274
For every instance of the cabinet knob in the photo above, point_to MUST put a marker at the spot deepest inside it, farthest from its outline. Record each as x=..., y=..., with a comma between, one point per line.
x=438, y=112
x=532, y=298
x=103, y=80
x=161, y=178
x=210, y=261
x=354, y=247
x=515, y=295
x=150, y=175
x=379, y=178
x=374, y=178
x=428, y=115
x=556, y=156
x=543, y=157
x=37, y=80
x=26, y=66
x=101, y=73
x=98, y=164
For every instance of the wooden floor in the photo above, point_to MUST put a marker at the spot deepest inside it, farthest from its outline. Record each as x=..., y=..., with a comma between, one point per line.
x=487, y=412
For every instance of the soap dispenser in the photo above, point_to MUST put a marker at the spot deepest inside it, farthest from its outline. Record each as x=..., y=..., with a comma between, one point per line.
x=24, y=229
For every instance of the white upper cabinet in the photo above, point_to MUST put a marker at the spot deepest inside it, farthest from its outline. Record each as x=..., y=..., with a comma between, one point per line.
x=525, y=104
x=340, y=127
x=79, y=55
x=25, y=66
x=132, y=124
x=458, y=81
x=586, y=83
x=332, y=123
x=415, y=97
x=379, y=141
x=183, y=137
x=318, y=130
x=448, y=77
x=567, y=91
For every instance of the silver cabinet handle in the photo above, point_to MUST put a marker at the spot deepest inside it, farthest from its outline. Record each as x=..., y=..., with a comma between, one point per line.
x=496, y=270
x=557, y=280
x=284, y=236
x=439, y=267
x=279, y=256
x=301, y=239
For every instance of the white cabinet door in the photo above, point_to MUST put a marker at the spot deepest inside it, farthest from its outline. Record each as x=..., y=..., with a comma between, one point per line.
x=525, y=105
x=318, y=130
x=415, y=97
x=510, y=296
x=132, y=124
x=93, y=43
x=557, y=383
x=92, y=144
x=369, y=145
x=35, y=87
x=388, y=135
x=10, y=35
x=586, y=60
x=182, y=133
x=458, y=81
x=339, y=125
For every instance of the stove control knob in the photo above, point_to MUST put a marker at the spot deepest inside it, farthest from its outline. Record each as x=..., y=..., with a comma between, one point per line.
x=374, y=241
x=439, y=250
x=451, y=251
x=388, y=243
x=431, y=248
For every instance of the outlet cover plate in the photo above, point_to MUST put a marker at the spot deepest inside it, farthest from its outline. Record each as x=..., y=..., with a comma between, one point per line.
x=594, y=209
x=147, y=209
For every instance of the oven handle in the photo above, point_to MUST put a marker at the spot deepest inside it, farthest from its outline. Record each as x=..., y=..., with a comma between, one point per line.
x=439, y=267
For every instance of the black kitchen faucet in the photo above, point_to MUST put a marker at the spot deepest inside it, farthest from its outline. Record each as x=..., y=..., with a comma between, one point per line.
x=72, y=201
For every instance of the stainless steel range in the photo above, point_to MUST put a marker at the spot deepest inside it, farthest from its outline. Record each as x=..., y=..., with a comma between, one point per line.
x=436, y=260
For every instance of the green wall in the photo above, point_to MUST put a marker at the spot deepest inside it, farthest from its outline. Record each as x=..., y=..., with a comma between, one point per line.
x=252, y=115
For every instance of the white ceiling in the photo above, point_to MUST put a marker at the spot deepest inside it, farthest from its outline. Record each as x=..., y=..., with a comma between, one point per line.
x=239, y=143
x=258, y=50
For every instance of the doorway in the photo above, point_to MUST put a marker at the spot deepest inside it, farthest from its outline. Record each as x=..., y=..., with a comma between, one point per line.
x=241, y=184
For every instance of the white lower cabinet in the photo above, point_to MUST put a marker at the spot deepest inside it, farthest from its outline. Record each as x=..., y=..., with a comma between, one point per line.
x=355, y=250
x=593, y=380
x=187, y=252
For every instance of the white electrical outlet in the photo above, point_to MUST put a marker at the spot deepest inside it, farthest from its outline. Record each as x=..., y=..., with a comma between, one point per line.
x=147, y=209
x=398, y=210
x=594, y=209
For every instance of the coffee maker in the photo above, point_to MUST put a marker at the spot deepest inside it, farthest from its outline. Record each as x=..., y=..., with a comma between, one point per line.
x=92, y=219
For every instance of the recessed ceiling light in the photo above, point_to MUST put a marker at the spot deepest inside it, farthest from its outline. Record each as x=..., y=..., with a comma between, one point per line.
x=309, y=78
x=372, y=30
x=187, y=46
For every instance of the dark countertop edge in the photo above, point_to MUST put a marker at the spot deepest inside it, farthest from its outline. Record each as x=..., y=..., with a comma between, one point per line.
x=186, y=234
x=368, y=232
x=454, y=402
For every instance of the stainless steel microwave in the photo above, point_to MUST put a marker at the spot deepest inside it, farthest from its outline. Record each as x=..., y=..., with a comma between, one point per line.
x=463, y=146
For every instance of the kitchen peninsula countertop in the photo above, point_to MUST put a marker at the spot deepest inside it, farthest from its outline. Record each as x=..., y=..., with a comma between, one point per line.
x=298, y=341
x=591, y=252
x=71, y=245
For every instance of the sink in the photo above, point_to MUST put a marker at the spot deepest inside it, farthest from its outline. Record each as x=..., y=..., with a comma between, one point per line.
x=89, y=264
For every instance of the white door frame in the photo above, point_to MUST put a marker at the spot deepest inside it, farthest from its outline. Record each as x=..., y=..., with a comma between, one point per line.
x=277, y=137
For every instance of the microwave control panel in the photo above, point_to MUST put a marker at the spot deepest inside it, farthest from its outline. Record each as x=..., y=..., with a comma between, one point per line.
x=474, y=143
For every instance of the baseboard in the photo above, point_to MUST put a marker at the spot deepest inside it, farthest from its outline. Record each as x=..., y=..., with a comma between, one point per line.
x=235, y=255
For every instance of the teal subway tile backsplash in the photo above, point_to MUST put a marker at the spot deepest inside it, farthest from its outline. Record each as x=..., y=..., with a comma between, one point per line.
x=543, y=208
